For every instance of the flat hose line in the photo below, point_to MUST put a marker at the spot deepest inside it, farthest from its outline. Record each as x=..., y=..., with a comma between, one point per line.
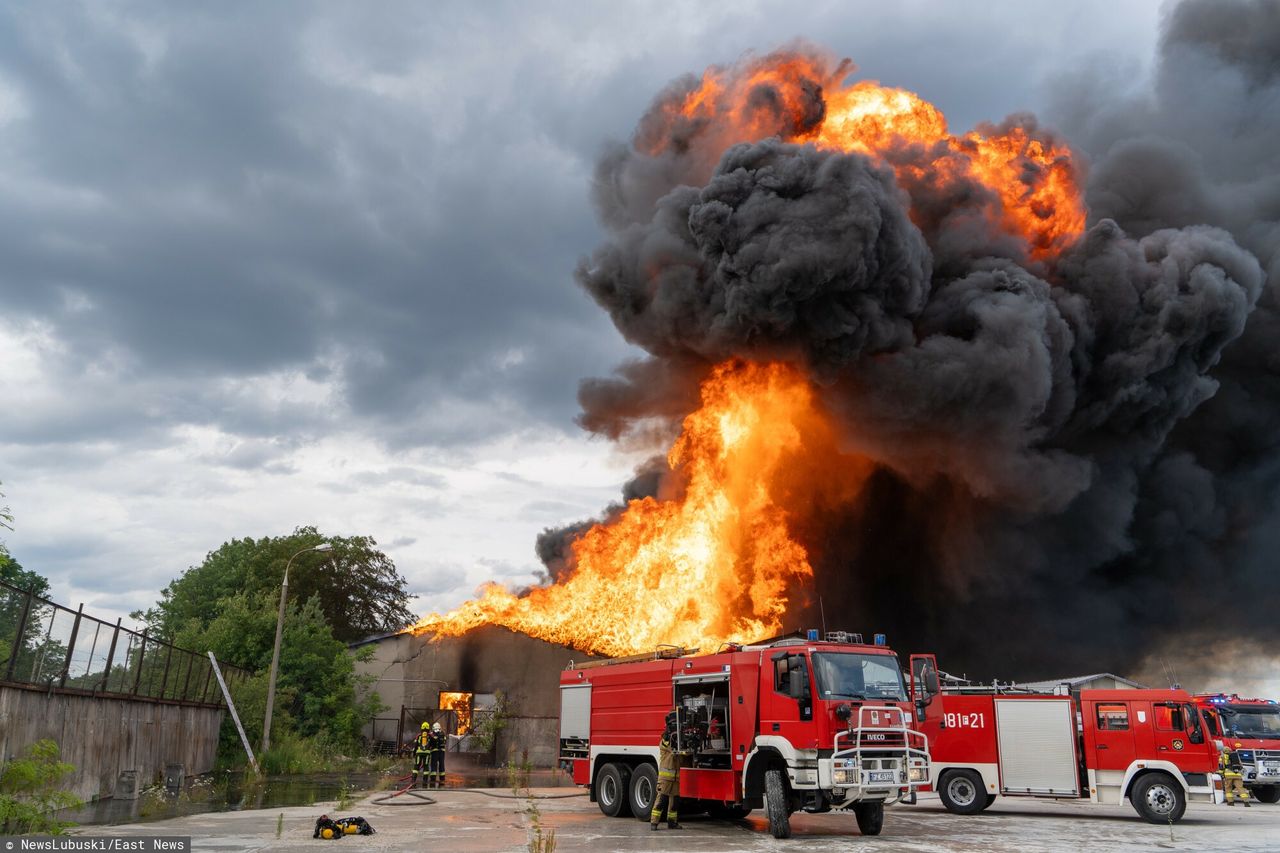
x=421, y=799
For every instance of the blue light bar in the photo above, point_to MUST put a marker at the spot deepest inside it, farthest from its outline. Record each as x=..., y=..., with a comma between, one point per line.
x=813, y=635
x=880, y=640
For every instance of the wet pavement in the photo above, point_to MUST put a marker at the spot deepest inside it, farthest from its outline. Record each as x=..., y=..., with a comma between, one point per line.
x=472, y=821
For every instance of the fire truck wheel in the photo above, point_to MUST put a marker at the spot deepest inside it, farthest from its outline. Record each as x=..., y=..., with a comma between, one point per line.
x=1158, y=799
x=1266, y=793
x=644, y=789
x=991, y=798
x=961, y=792
x=613, y=790
x=775, y=803
x=870, y=817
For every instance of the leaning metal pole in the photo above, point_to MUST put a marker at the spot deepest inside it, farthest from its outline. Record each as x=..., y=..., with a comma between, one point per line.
x=275, y=661
x=234, y=716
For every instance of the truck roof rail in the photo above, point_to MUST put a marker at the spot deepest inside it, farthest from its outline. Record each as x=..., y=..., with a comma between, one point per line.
x=660, y=653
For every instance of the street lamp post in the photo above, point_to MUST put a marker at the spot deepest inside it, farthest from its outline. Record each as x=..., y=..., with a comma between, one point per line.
x=275, y=652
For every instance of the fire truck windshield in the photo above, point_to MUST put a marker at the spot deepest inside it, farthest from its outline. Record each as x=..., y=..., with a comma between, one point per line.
x=845, y=675
x=1251, y=721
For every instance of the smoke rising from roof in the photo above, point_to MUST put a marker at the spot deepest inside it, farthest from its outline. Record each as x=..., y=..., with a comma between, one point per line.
x=1077, y=455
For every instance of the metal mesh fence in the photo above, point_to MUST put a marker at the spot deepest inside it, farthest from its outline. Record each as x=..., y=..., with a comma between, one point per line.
x=46, y=644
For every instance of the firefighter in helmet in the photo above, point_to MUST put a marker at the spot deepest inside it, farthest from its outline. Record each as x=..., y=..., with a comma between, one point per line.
x=436, y=743
x=669, y=755
x=1233, y=774
x=421, y=751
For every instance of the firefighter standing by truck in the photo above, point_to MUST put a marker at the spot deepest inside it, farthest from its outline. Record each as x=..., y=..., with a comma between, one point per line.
x=1233, y=775
x=669, y=755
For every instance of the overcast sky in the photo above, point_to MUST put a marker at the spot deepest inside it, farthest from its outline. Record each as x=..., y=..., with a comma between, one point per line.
x=272, y=264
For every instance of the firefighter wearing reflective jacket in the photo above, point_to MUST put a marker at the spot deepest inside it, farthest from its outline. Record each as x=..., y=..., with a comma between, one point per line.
x=668, y=796
x=421, y=752
x=436, y=743
x=1233, y=775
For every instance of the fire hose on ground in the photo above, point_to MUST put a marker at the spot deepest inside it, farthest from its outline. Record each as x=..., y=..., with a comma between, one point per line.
x=418, y=798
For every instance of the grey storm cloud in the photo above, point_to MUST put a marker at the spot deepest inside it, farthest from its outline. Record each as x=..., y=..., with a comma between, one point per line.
x=396, y=200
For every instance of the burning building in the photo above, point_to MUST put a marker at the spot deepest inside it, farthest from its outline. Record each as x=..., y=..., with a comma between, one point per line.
x=929, y=382
x=461, y=682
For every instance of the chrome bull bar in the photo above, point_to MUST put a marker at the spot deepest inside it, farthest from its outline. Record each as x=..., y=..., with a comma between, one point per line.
x=878, y=751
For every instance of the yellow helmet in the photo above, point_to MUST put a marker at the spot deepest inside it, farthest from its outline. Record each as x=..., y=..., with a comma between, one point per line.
x=426, y=726
x=327, y=833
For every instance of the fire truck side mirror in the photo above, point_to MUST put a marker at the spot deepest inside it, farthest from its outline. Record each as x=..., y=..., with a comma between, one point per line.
x=931, y=682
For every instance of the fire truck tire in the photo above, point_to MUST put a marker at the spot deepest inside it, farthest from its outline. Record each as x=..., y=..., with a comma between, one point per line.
x=1266, y=793
x=775, y=803
x=991, y=798
x=613, y=790
x=1158, y=798
x=870, y=817
x=961, y=792
x=643, y=790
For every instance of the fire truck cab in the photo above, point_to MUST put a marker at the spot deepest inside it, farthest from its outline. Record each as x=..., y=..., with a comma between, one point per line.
x=1101, y=745
x=792, y=725
x=1255, y=725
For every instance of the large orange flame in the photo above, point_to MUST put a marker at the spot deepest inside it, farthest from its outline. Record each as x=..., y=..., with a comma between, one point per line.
x=719, y=562
x=1033, y=181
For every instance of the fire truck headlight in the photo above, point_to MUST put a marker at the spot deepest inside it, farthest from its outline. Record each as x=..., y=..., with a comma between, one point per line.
x=917, y=774
x=842, y=777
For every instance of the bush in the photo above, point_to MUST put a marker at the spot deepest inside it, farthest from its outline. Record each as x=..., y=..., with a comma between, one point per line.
x=30, y=792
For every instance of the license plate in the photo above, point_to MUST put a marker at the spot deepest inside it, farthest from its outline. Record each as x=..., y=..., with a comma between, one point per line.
x=1271, y=768
x=881, y=775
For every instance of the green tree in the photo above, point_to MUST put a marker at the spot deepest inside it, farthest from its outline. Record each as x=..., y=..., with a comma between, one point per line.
x=356, y=586
x=31, y=791
x=6, y=517
x=316, y=687
x=11, y=604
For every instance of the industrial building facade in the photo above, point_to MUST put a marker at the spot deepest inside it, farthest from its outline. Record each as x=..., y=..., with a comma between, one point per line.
x=459, y=681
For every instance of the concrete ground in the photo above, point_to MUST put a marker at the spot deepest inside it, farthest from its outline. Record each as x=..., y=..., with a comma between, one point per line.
x=469, y=821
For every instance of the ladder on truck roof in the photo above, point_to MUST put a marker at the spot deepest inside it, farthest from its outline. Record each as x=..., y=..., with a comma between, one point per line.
x=660, y=653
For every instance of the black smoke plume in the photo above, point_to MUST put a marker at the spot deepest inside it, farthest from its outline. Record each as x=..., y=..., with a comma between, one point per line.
x=1077, y=458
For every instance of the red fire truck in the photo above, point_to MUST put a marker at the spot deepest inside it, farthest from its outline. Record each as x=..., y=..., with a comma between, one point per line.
x=792, y=725
x=1099, y=745
x=1255, y=725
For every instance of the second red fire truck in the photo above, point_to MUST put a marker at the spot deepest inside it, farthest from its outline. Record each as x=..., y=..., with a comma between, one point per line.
x=1104, y=746
x=1255, y=725
x=793, y=725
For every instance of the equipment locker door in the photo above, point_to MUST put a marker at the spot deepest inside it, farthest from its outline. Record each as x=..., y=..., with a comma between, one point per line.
x=1037, y=746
